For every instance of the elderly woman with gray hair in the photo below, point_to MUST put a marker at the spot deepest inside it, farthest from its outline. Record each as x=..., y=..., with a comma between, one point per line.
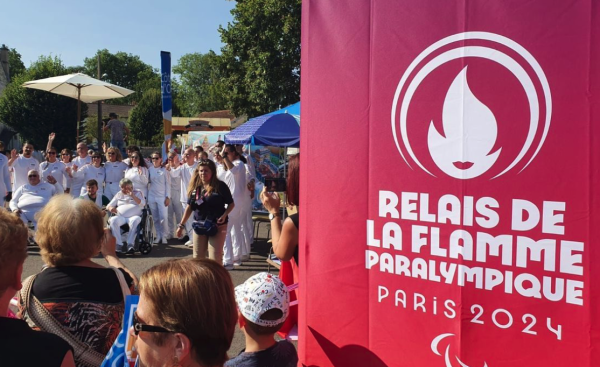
x=127, y=204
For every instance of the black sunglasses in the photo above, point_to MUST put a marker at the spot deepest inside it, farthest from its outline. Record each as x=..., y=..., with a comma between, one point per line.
x=51, y=153
x=138, y=326
x=32, y=176
x=135, y=157
x=155, y=158
x=111, y=153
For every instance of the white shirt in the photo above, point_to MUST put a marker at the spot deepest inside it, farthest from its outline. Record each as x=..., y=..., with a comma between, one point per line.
x=140, y=180
x=31, y=198
x=184, y=171
x=175, y=181
x=56, y=170
x=5, y=186
x=225, y=176
x=239, y=176
x=125, y=205
x=160, y=183
x=90, y=172
x=20, y=167
x=115, y=171
x=77, y=182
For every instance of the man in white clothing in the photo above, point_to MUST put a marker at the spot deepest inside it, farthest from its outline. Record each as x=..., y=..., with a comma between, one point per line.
x=80, y=161
x=185, y=171
x=159, y=197
x=127, y=204
x=175, y=207
x=21, y=164
x=32, y=197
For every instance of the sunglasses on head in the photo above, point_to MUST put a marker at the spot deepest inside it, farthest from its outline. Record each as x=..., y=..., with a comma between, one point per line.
x=138, y=326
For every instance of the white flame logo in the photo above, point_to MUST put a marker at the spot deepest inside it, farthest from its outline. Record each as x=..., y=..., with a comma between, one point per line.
x=447, y=359
x=470, y=131
x=463, y=149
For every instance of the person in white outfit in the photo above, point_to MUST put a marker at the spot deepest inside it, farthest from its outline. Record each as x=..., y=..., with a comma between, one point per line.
x=32, y=197
x=185, y=172
x=138, y=173
x=5, y=186
x=175, y=208
x=127, y=204
x=66, y=156
x=115, y=171
x=159, y=197
x=235, y=242
x=53, y=168
x=94, y=171
x=80, y=161
x=22, y=164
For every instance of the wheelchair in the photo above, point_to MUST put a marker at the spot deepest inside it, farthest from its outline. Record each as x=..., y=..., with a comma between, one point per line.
x=145, y=232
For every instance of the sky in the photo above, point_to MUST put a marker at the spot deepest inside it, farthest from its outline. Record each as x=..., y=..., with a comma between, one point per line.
x=74, y=30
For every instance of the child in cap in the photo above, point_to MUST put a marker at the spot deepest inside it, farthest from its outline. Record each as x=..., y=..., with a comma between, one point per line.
x=263, y=305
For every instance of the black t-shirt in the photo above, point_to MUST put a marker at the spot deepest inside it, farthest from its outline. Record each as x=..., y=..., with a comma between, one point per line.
x=210, y=206
x=21, y=346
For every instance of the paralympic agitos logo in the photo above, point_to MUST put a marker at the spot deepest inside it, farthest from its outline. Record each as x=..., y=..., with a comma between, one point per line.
x=492, y=112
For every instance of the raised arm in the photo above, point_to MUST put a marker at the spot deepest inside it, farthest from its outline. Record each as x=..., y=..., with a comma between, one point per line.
x=50, y=141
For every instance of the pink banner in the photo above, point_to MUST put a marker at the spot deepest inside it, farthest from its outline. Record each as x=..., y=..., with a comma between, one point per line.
x=453, y=221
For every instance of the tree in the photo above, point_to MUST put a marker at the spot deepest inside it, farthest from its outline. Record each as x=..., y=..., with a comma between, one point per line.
x=261, y=56
x=201, y=84
x=125, y=70
x=91, y=130
x=145, y=120
x=15, y=64
x=34, y=114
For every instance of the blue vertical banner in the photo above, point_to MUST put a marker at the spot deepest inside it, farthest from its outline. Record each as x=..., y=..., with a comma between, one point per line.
x=167, y=101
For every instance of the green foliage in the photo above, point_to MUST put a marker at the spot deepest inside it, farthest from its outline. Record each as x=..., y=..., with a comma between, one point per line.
x=125, y=70
x=145, y=120
x=261, y=56
x=15, y=64
x=202, y=87
x=35, y=114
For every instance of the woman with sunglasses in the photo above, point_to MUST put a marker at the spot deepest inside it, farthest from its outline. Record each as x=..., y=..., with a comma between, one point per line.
x=159, y=197
x=210, y=200
x=186, y=315
x=65, y=156
x=115, y=171
x=138, y=173
x=94, y=171
x=53, y=170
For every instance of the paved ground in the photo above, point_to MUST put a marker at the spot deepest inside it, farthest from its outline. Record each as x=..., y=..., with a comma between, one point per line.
x=175, y=249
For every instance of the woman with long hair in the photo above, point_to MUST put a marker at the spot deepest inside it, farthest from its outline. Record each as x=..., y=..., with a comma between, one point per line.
x=138, y=172
x=211, y=202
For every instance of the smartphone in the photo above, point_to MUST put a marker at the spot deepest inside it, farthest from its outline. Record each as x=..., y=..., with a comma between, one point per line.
x=276, y=184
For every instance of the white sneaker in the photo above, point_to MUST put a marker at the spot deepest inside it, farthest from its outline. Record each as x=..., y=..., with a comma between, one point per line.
x=245, y=257
x=189, y=244
x=228, y=266
x=237, y=263
x=164, y=241
x=156, y=240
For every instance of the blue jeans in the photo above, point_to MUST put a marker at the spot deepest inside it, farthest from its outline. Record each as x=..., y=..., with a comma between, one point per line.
x=119, y=144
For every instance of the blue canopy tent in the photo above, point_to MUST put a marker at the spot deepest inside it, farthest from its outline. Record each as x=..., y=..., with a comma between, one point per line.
x=293, y=109
x=276, y=129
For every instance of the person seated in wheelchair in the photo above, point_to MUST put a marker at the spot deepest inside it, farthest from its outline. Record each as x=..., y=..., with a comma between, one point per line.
x=127, y=204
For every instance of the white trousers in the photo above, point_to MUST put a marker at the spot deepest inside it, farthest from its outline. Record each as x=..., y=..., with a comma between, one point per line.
x=235, y=246
x=159, y=216
x=29, y=217
x=175, y=212
x=247, y=224
x=110, y=190
x=115, y=227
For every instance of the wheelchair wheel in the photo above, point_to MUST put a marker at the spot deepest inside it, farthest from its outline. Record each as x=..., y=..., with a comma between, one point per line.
x=149, y=230
x=145, y=248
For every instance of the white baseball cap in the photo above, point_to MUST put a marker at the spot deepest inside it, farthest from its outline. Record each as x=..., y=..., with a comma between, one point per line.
x=260, y=293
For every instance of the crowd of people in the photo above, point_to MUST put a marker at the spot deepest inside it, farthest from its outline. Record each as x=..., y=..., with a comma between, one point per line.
x=202, y=198
x=188, y=308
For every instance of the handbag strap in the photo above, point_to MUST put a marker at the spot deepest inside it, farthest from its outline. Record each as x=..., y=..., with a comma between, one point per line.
x=84, y=354
x=124, y=287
